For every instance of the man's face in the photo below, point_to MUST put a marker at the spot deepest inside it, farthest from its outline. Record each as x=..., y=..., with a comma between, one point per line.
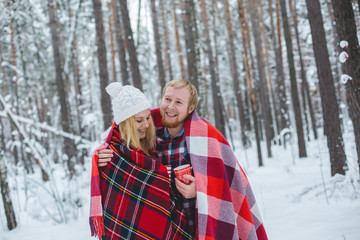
x=174, y=107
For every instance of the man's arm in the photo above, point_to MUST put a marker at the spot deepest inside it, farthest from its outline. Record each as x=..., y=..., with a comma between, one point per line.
x=105, y=156
x=187, y=190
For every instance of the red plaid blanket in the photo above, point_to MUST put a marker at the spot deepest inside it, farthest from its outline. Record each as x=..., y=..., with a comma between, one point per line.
x=225, y=204
x=135, y=197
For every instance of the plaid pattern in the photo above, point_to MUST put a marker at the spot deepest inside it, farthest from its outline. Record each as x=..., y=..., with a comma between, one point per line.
x=173, y=152
x=226, y=206
x=135, y=194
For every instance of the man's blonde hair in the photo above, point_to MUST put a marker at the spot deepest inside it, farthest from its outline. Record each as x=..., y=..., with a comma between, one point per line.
x=183, y=83
x=130, y=134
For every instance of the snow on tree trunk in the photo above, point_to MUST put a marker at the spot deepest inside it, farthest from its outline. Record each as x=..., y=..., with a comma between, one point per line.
x=327, y=89
x=346, y=30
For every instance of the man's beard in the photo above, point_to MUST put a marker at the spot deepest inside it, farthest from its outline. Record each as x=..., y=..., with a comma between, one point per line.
x=168, y=124
x=171, y=124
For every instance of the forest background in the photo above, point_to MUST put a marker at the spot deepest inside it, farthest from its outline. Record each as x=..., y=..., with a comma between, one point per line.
x=271, y=74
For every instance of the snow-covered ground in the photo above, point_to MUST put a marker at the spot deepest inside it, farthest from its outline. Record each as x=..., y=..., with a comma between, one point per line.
x=298, y=199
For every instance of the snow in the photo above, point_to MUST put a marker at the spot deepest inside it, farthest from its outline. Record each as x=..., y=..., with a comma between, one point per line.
x=297, y=200
x=344, y=44
x=343, y=56
x=345, y=78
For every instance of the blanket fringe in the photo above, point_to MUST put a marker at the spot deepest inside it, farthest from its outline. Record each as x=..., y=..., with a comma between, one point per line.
x=97, y=226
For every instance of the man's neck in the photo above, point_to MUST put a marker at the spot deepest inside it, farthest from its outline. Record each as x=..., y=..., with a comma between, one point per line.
x=176, y=130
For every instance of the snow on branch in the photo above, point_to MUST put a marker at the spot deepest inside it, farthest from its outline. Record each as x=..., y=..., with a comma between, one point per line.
x=44, y=126
x=24, y=135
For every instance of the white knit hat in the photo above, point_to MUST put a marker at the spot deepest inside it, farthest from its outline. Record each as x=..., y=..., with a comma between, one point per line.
x=126, y=101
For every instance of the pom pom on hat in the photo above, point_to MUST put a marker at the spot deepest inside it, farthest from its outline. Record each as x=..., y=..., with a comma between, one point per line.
x=126, y=101
x=113, y=89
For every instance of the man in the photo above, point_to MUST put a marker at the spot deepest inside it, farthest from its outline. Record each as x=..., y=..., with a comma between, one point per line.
x=225, y=205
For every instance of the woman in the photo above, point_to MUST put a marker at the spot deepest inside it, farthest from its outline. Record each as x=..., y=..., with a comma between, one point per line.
x=130, y=196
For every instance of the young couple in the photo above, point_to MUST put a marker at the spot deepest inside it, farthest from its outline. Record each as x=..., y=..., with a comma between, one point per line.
x=134, y=197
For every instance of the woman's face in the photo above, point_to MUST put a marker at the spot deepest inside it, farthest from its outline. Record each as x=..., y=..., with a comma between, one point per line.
x=142, y=122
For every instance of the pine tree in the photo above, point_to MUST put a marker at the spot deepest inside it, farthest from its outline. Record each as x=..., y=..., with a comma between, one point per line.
x=346, y=30
x=327, y=89
x=294, y=88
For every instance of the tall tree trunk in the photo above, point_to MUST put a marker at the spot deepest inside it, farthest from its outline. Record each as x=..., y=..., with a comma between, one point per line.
x=112, y=45
x=14, y=81
x=191, y=57
x=102, y=61
x=305, y=85
x=5, y=87
x=214, y=14
x=5, y=191
x=138, y=24
x=335, y=54
x=294, y=89
x=130, y=45
x=159, y=61
x=327, y=89
x=346, y=29
x=197, y=44
x=248, y=80
x=120, y=43
x=285, y=121
x=178, y=45
x=168, y=68
x=274, y=123
x=216, y=94
x=13, y=56
x=76, y=72
x=69, y=146
x=251, y=62
x=264, y=92
x=234, y=73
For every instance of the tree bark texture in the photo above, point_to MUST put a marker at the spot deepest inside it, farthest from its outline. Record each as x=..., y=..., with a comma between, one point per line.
x=102, y=60
x=69, y=147
x=4, y=187
x=134, y=63
x=293, y=82
x=280, y=69
x=346, y=30
x=327, y=89
x=120, y=44
x=216, y=94
x=168, y=68
x=248, y=81
x=305, y=86
x=158, y=46
x=112, y=45
x=5, y=193
x=264, y=92
x=178, y=45
x=191, y=57
x=234, y=72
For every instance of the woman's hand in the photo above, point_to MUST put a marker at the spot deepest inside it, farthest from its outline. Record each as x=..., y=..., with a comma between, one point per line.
x=105, y=156
x=187, y=190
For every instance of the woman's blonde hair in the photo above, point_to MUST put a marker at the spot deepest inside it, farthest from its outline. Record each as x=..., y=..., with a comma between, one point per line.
x=130, y=134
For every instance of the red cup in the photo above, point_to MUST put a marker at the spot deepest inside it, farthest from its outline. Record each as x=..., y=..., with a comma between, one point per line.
x=180, y=171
